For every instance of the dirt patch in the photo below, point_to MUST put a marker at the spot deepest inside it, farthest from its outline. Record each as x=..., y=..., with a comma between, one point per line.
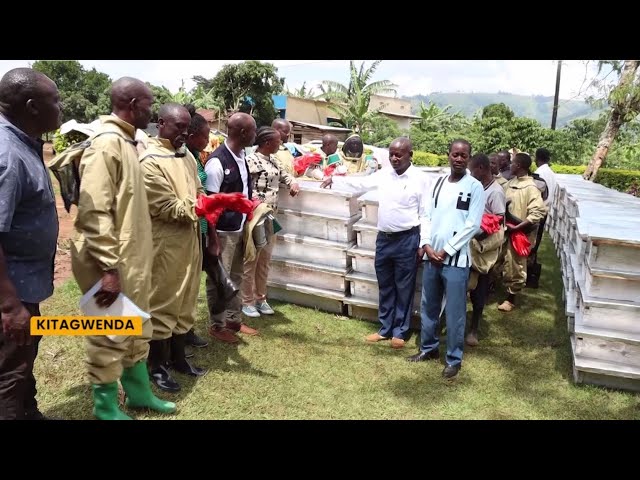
x=62, y=267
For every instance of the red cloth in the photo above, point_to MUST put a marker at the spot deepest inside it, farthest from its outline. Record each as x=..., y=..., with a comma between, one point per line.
x=300, y=164
x=520, y=242
x=212, y=206
x=490, y=223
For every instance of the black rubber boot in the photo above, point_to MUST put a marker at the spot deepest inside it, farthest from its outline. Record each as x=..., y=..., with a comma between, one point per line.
x=178, y=361
x=158, y=361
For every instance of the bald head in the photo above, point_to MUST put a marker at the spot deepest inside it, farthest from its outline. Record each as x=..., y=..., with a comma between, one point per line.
x=131, y=100
x=172, y=110
x=283, y=127
x=240, y=120
x=126, y=89
x=30, y=100
x=173, y=123
x=402, y=142
x=400, y=154
x=329, y=144
x=242, y=129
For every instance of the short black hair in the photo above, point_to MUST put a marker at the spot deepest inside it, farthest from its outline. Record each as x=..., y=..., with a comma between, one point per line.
x=17, y=86
x=505, y=153
x=543, y=155
x=524, y=160
x=480, y=160
x=462, y=141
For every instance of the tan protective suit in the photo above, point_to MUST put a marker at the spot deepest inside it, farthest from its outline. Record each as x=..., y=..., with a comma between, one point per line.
x=498, y=268
x=501, y=180
x=285, y=158
x=484, y=255
x=172, y=186
x=354, y=165
x=526, y=204
x=113, y=231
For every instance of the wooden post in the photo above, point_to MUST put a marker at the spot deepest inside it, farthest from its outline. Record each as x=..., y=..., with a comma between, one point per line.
x=554, y=115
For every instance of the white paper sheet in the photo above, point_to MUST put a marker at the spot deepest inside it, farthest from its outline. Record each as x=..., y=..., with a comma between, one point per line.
x=122, y=307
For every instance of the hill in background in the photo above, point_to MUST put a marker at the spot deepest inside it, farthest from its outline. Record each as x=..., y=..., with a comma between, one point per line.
x=533, y=106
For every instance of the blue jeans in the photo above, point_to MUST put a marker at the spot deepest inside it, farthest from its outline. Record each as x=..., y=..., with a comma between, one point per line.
x=396, y=270
x=436, y=282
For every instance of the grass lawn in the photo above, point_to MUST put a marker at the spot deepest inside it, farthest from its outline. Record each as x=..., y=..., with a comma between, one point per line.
x=311, y=365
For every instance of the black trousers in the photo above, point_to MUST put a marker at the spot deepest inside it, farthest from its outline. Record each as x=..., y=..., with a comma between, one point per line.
x=17, y=383
x=534, y=251
x=209, y=266
x=479, y=299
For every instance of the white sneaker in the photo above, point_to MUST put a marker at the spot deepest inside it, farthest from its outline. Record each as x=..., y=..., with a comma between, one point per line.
x=250, y=311
x=264, y=308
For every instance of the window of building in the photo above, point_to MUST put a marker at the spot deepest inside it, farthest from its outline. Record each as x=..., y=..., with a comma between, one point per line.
x=335, y=122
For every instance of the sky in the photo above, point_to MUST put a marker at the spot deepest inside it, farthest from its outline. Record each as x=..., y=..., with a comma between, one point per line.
x=525, y=77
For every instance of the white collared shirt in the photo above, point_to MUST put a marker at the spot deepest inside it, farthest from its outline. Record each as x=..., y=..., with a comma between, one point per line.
x=402, y=198
x=548, y=176
x=215, y=175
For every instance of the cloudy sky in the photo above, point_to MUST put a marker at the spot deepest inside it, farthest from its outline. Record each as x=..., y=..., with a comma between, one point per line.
x=527, y=77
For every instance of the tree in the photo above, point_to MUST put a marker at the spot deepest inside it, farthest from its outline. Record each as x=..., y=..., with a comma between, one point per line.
x=202, y=98
x=436, y=119
x=161, y=95
x=247, y=87
x=382, y=131
x=351, y=102
x=624, y=100
x=497, y=110
x=302, y=92
x=84, y=94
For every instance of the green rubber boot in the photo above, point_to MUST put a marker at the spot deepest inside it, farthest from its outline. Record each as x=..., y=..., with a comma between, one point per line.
x=136, y=384
x=105, y=402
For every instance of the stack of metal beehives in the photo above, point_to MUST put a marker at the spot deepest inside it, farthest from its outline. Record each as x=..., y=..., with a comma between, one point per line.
x=596, y=232
x=324, y=255
x=310, y=261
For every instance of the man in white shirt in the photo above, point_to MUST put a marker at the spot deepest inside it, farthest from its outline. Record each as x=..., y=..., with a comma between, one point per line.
x=404, y=190
x=227, y=172
x=543, y=156
x=451, y=219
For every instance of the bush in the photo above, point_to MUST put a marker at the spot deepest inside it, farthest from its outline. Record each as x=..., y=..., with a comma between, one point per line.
x=62, y=142
x=569, y=169
x=622, y=180
x=426, y=159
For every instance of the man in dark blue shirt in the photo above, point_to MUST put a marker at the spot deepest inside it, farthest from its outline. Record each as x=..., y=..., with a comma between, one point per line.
x=29, y=107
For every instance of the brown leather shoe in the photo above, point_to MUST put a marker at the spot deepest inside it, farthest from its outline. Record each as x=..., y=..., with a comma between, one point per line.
x=472, y=339
x=233, y=326
x=397, y=343
x=247, y=330
x=223, y=335
x=375, y=337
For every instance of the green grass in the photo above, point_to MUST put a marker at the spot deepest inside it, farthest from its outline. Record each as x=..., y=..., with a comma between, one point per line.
x=311, y=365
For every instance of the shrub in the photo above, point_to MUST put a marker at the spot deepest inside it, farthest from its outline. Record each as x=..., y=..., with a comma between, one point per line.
x=622, y=180
x=426, y=159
